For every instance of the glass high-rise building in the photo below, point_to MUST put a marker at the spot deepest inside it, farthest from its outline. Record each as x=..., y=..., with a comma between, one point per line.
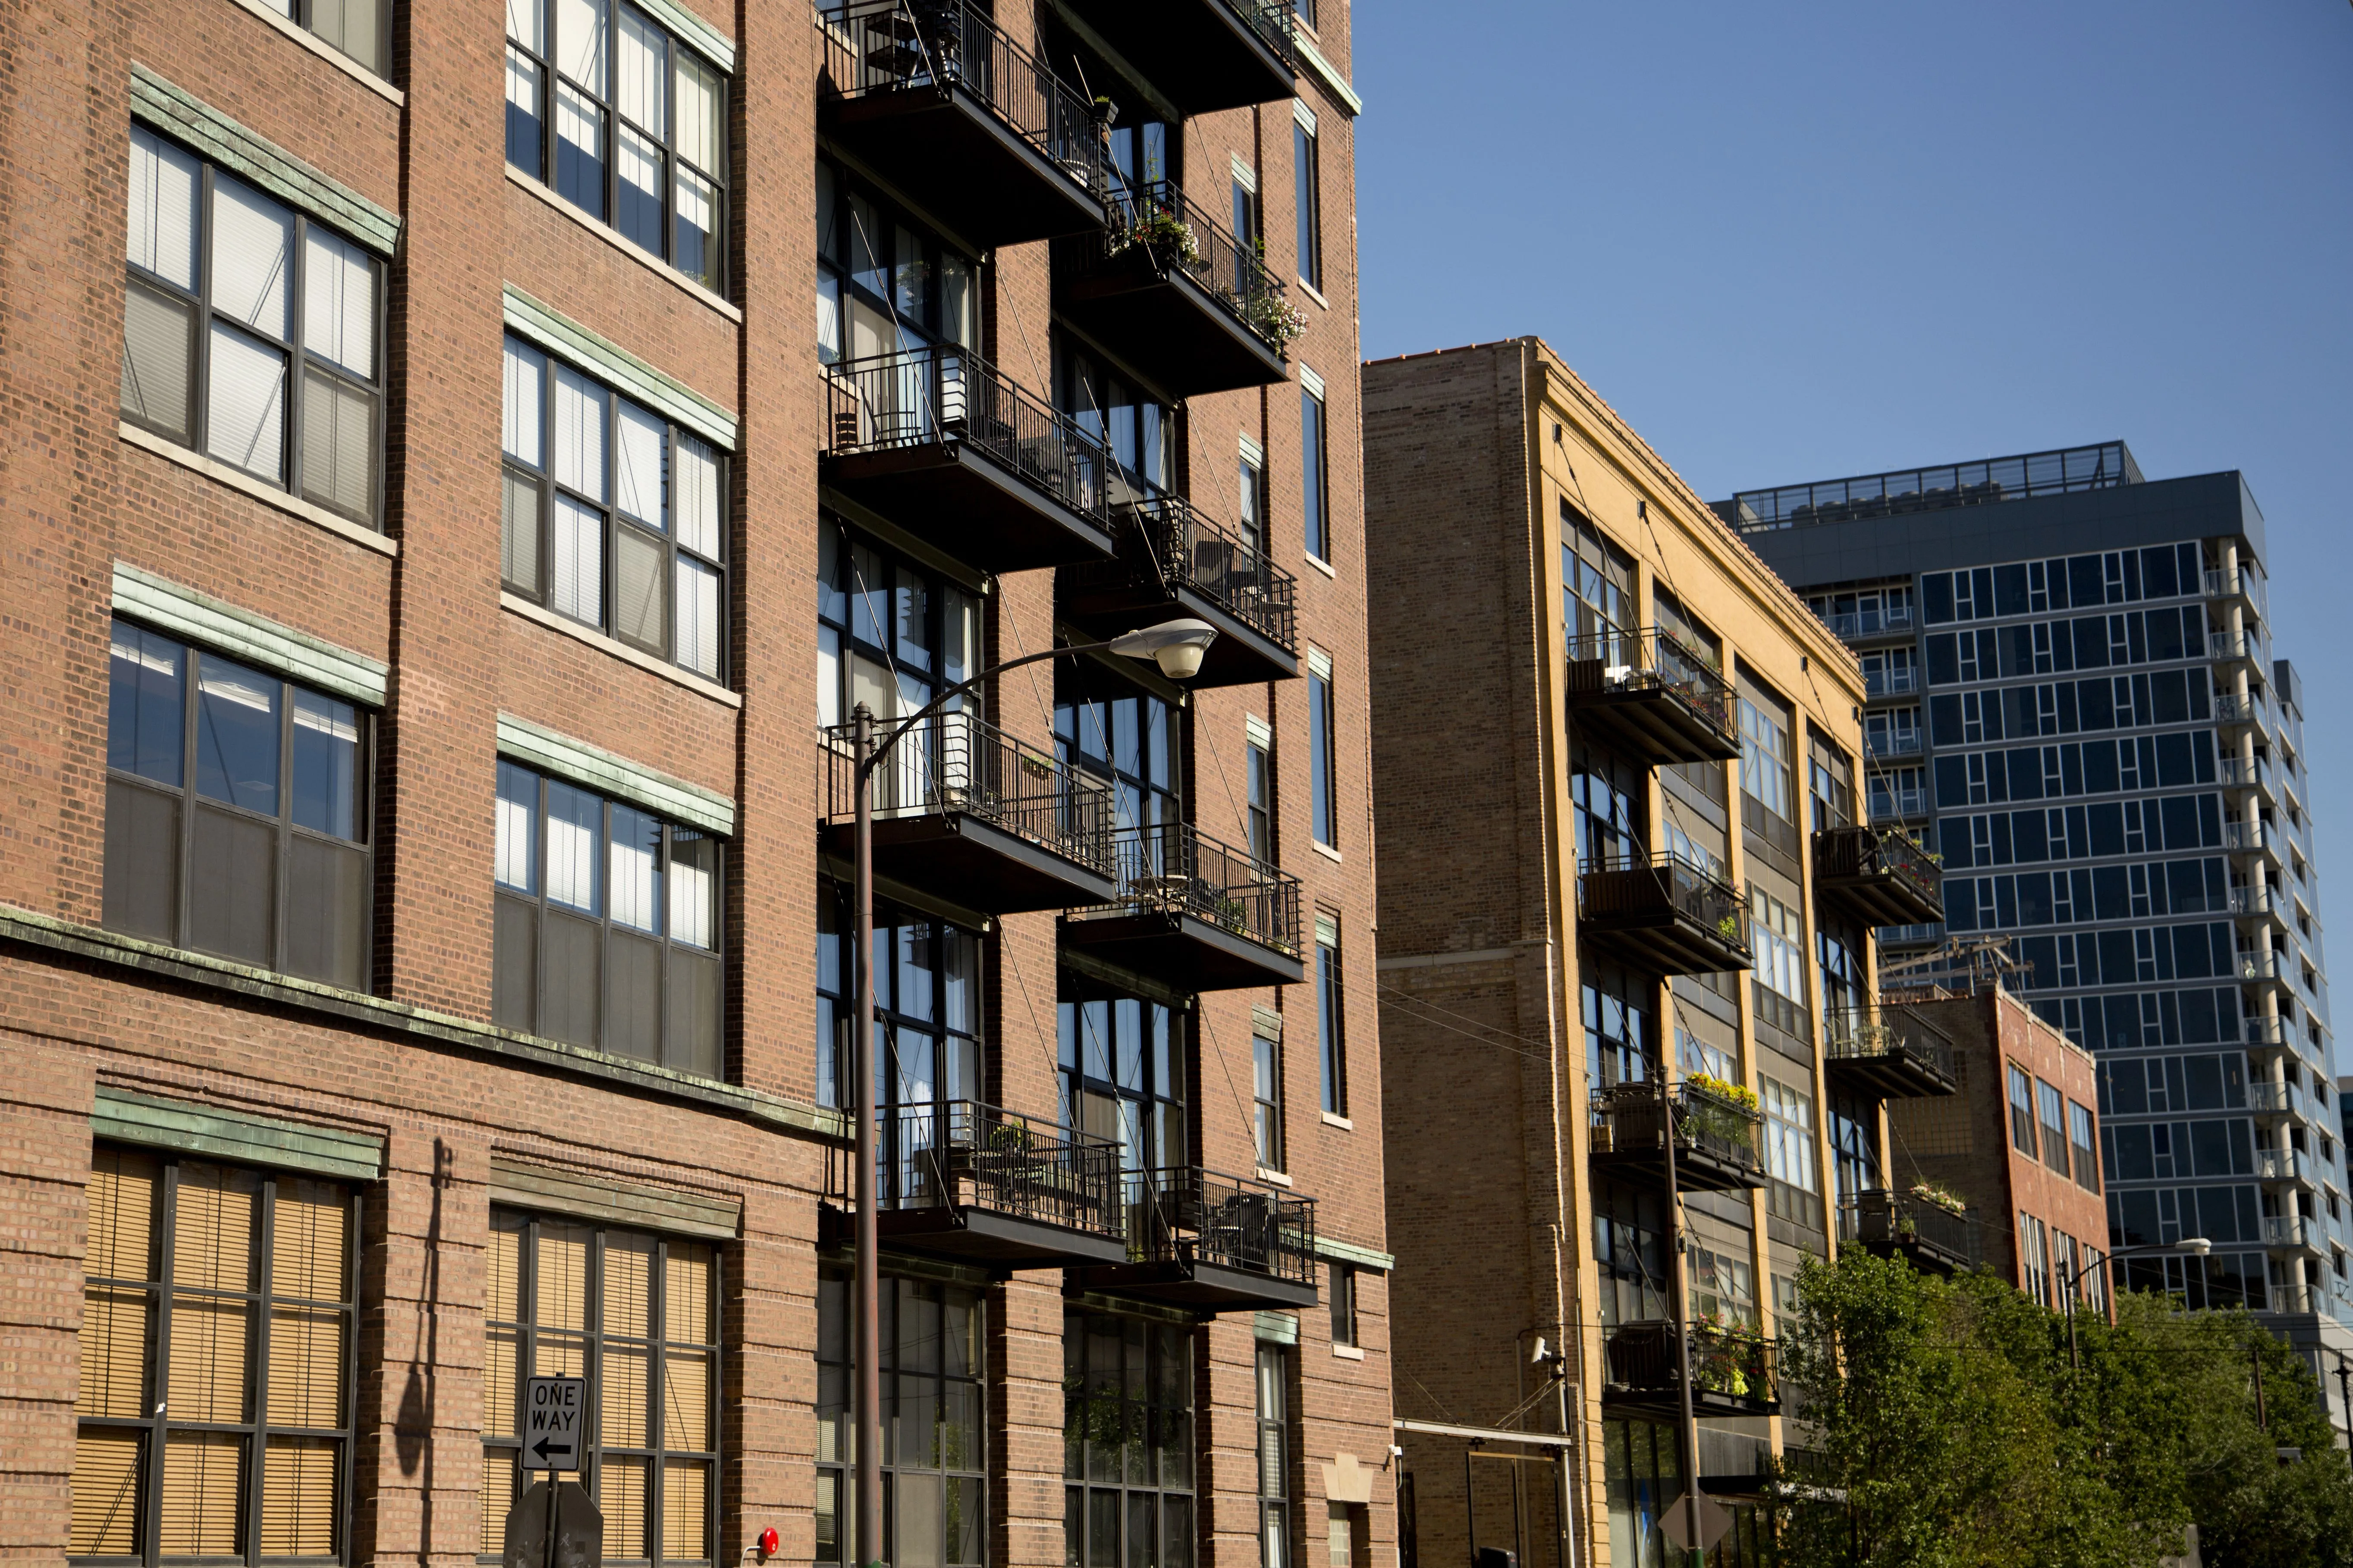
x=2075, y=698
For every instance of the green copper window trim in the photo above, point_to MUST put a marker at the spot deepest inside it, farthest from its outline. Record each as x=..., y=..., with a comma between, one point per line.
x=568, y=341
x=1348, y=1252
x=1275, y=1327
x=521, y=741
x=167, y=606
x=123, y=1116
x=181, y=115
x=584, y=1194
x=694, y=32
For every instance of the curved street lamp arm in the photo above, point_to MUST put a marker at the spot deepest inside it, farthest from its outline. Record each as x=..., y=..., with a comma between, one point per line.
x=883, y=747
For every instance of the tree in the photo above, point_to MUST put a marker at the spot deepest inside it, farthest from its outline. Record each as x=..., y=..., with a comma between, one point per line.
x=1946, y=1429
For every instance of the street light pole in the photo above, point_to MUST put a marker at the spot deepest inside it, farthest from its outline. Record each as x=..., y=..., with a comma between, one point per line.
x=1176, y=646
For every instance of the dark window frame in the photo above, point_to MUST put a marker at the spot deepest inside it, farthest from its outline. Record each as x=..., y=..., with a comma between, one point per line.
x=614, y=525
x=951, y=1080
x=1153, y=1409
x=1343, y=1292
x=534, y=905
x=1158, y=1090
x=189, y=799
x=1267, y=1099
x=1323, y=756
x=1306, y=153
x=301, y=361
x=1315, y=473
x=1331, y=1019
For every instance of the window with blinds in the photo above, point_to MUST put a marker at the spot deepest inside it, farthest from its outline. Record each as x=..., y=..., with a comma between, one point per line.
x=250, y=333
x=216, y=1352
x=636, y=1315
x=1273, y=1457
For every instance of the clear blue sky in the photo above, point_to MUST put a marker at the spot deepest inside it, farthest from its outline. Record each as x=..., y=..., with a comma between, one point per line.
x=1805, y=240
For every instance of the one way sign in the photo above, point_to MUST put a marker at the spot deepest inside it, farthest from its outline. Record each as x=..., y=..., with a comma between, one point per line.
x=554, y=1417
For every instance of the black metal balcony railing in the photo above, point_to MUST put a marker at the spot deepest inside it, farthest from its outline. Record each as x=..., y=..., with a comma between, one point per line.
x=1882, y=868
x=1862, y=1034
x=1907, y=490
x=925, y=396
x=1200, y=1217
x=966, y=1154
x=1892, y=1220
x=897, y=46
x=1176, y=545
x=1732, y=1368
x=1175, y=869
x=1161, y=221
x=1631, y=1119
x=1634, y=886
x=1274, y=21
x=952, y=762
x=1613, y=661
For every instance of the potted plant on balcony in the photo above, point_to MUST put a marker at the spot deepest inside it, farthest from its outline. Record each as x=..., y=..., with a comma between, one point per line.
x=1715, y=1109
x=1942, y=1197
x=1167, y=237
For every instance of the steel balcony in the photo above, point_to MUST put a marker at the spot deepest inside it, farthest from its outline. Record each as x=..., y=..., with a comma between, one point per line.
x=1652, y=696
x=2241, y=776
x=1930, y=1236
x=1665, y=915
x=940, y=443
x=2282, y=1167
x=1213, y=1243
x=986, y=1187
x=964, y=811
x=1879, y=874
x=2294, y=1232
x=1887, y=1053
x=1194, y=913
x=1732, y=1372
x=1173, y=294
x=933, y=99
x=1717, y=1148
x=1202, y=55
x=1173, y=561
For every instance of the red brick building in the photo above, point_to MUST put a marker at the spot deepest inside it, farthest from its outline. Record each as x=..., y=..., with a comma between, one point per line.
x=438, y=555
x=2019, y=1144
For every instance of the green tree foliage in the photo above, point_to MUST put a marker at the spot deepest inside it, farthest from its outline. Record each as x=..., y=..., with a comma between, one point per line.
x=1947, y=1430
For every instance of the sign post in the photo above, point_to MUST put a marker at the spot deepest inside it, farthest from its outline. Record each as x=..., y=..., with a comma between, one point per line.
x=554, y=1525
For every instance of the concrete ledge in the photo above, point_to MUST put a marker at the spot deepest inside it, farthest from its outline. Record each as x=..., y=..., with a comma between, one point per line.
x=92, y=944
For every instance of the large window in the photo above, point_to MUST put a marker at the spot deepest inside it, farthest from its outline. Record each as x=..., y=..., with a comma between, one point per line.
x=1307, y=165
x=217, y=1347
x=1273, y=1457
x=1764, y=759
x=934, y=1419
x=2050, y=1108
x=1266, y=1098
x=1123, y=1065
x=638, y=1316
x=613, y=515
x=927, y=1022
x=1250, y=503
x=1134, y=745
x=1127, y=1430
x=1618, y=1042
x=249, y=332
x=236, y=812
x=1315, y=471
x=356, y=27
x=1794, y=1191
x=607, y=928
x=1322, y=763
x=1597, y=581
x=889, y=635
x=1603, y=793
x=1331, y=1018
x=1258, y=765
x=1340, y=1284
x=1135, y=429
x=1722, y=1288
x=2021, y=1111
x=1629, y=1249
x=639, y=138
x=1778, y=938
x=2086, y=1162
x=883, y=283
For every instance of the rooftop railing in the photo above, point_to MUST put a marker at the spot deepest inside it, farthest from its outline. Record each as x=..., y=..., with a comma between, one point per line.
x=963, y=1154
x=895, y=45
x=1906, y=490
x=1196, y=1216
x=924, y=397
x=955, y=763
x=1176, y=868
x=1162, y=220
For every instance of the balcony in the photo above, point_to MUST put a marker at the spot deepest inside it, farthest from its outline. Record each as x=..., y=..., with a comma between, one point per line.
x=2221, y=584
x=1931, y=1238
x=1213, y=1243
x=980, y=1185
x=2234, y=648
x=1861, y=626
x=1892, y=804
x=2244, y=775
x=1665, y=915
x=1646, y=692
x=1732, y=1372
x=2284, y=1167
x=1902, y=681
x=1202, y=55
x=2244, y=837
x=939, y=442
x=2267, y=1033
x=2258, y=968
x=1173, y=294
x=1881, y=875
x=1888, y=745
x=1193, y=913
x=930, y=97
x=1716, y=1147
x=2235, y=709
x=2267, y=904
x=2294, y=1232
x=1886, y=1053
x=1173, y=561
x=967, y=812
x=2273, y=1098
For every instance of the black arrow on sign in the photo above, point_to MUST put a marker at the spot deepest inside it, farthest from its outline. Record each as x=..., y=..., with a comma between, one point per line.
x=540, y=1448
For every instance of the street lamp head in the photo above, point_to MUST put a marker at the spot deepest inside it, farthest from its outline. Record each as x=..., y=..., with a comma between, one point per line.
x=2196, y=1246
x=1176, y=646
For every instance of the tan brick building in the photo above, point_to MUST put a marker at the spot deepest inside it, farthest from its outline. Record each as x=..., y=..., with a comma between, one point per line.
x=422, y=878
x=1625, y=890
